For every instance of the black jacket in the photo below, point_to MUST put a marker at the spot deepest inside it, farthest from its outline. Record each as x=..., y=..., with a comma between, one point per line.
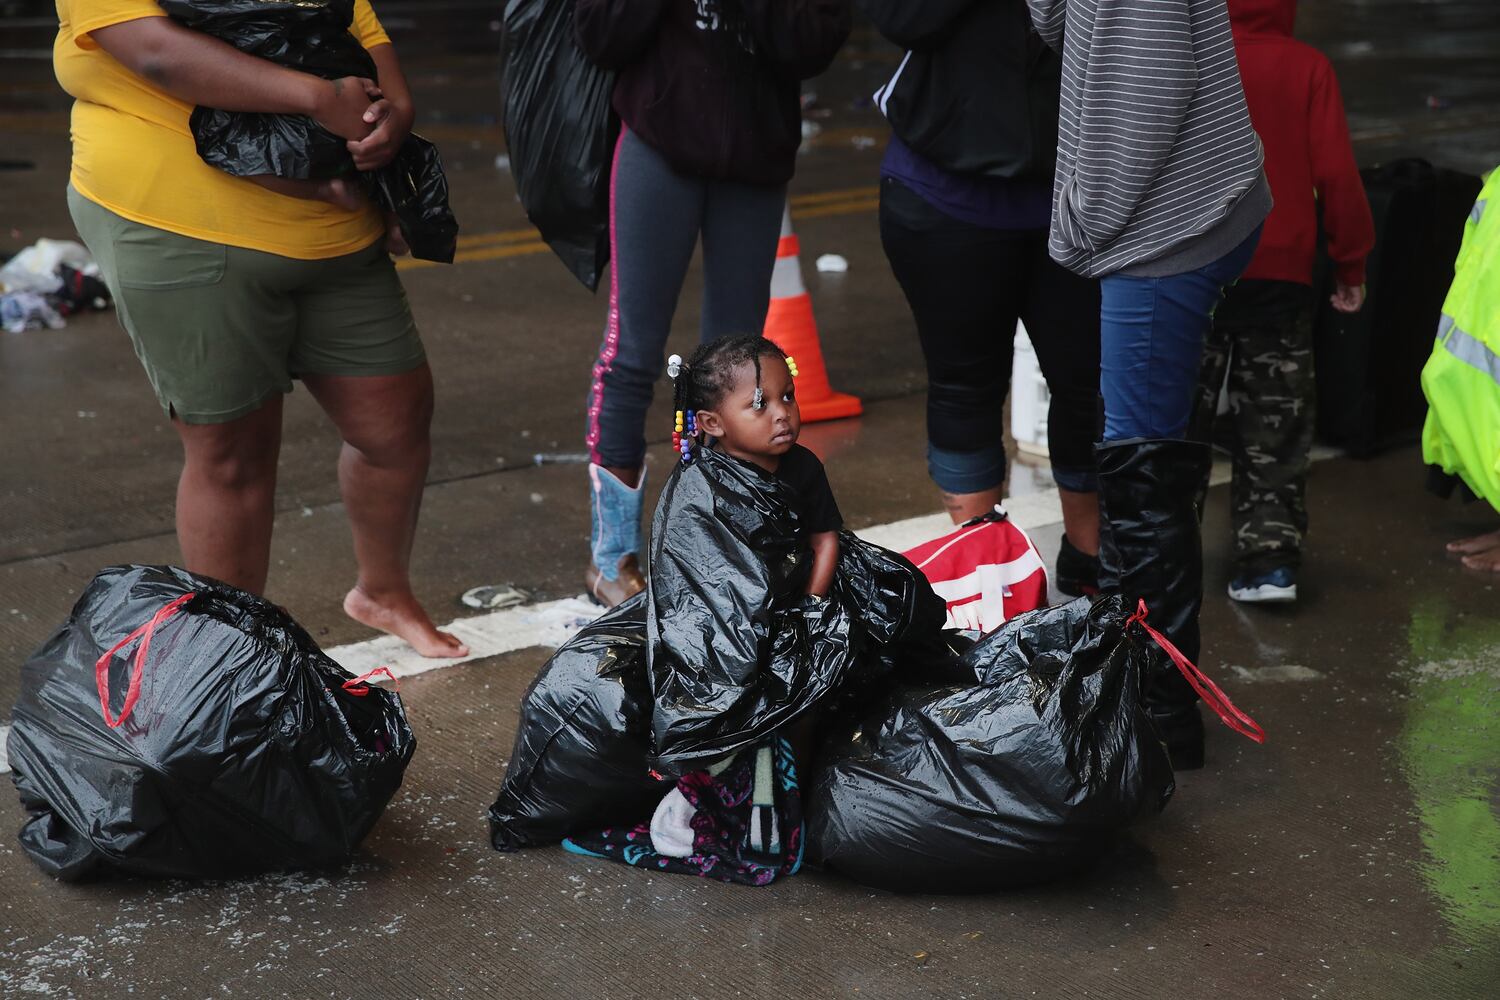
x=978, y=90
x=713, y=85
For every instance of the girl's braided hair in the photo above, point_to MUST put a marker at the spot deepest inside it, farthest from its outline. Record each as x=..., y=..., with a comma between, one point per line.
x=702, y=381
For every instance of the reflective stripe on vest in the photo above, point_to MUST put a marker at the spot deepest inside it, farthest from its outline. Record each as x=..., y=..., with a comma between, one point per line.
x=1477, y=212
x=1468, y=348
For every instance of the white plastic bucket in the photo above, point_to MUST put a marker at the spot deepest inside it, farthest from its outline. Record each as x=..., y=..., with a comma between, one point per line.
x=1029, y=398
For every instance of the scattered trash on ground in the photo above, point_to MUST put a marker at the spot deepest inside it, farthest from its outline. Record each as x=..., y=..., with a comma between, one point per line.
x=47, y=282
x=560, y=458
x=1436, y=103
x=810, y=130
x=37, y=268
x=22, y=311
x=502, y=162
x=494, y=597
x=832, y=263
x=863, y=142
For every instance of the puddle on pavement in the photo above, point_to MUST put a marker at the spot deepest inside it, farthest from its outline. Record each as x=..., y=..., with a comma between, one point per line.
x=1450, y=754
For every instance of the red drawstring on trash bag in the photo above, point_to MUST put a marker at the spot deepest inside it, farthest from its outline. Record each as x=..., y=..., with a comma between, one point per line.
x=1212, y=696
x=359, y=686
x=133, y=692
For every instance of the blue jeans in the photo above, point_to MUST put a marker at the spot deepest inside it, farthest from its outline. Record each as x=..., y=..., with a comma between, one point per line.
x=1151, y=344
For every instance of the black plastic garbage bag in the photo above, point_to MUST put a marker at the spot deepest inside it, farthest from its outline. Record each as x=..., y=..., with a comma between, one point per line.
x=582, y=753
x=313, y=36
x=735, y=651
x=560, y=132
x=178, y=727
x=1021, y=778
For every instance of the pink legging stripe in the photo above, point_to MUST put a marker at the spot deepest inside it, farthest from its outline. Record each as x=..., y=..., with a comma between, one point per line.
x=612, y=328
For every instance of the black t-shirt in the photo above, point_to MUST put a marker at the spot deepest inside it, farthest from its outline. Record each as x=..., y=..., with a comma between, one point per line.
x=801, y=470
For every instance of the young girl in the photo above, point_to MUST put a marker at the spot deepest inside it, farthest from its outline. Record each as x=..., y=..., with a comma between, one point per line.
x=736, y=631
x=748, y=410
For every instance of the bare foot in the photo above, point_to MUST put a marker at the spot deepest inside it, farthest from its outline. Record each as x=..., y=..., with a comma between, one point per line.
x=404, y=618
x=1476, y=545
x=341, y=193
x=1488, y=560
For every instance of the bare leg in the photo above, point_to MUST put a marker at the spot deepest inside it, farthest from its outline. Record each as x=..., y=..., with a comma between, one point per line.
x=1080, y=513
x=226, y=496
x=1488, y=560
x=384, y=421
x=967, y=506
x=629, y=476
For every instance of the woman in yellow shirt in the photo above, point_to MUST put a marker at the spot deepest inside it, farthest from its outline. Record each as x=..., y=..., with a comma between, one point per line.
x=230, y=290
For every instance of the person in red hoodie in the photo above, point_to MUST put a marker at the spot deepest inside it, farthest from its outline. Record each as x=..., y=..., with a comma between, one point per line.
x=1262, y=333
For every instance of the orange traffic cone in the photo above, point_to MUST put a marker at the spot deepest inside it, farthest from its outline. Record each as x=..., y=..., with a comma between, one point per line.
x=790, y=325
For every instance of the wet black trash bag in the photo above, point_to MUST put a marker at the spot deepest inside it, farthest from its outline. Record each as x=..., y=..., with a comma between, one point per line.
x=177, y=727
x=313, y=36
x=560, y=132
x=735, y=650
x=582, y=757
x=1025, y=776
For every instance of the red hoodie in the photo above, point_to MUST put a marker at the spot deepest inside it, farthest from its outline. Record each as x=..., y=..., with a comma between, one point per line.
x=1295, y=106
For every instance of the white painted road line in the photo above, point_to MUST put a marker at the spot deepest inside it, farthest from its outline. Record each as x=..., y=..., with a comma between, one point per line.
x=549, y=624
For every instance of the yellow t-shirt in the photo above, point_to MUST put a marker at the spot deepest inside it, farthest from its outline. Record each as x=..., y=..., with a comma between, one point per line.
x=133, y=152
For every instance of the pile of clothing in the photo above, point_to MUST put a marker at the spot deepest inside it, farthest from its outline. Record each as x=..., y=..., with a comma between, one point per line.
x=46, y=283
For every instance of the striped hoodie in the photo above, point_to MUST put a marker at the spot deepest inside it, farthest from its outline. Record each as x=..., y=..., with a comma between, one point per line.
x=1158, y=169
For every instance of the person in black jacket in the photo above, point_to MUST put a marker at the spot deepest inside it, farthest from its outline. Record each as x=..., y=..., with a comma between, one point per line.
x=708, y=97
x=965, y=204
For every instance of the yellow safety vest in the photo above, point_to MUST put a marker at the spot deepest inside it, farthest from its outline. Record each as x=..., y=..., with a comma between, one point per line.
x=1462, y=378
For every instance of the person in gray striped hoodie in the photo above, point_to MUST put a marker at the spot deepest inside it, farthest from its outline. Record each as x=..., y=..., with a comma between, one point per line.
x=1160, y=194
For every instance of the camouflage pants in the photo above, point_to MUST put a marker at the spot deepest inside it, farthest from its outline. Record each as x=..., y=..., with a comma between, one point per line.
x=1262, y=336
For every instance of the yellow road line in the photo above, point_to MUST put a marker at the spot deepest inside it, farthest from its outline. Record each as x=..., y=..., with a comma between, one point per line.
x=509, y=243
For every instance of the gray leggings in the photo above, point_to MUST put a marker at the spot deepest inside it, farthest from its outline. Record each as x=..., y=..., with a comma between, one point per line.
x=656, y=215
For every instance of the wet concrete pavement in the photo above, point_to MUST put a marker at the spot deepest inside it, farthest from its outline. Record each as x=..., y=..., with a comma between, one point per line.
x=1356, y=854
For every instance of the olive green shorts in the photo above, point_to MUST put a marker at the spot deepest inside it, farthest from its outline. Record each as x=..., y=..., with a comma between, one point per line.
x=221, y=329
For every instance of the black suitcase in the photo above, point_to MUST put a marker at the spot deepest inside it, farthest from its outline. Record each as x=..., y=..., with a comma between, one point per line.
x=1369, y=364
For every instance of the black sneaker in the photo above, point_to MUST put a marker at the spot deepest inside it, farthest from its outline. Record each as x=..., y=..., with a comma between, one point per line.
x=1077, y=573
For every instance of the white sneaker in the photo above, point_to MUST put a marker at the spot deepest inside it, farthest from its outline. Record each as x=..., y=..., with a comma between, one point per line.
x=1276, y=587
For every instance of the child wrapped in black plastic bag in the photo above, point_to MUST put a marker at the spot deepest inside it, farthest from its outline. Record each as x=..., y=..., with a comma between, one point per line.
x=758, y=616
x=294, y=155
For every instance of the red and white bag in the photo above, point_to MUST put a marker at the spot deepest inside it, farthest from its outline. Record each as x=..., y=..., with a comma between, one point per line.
x=987, y=570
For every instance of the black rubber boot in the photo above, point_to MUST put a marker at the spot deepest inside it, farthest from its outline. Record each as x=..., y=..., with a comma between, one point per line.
x=1150, y=549
x=1077, y=571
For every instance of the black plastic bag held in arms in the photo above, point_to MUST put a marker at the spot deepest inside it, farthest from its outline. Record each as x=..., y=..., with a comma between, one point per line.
x=178, y=727
x=560, y=132
x=1019, y=778
x=582, y=757
x=313, y=36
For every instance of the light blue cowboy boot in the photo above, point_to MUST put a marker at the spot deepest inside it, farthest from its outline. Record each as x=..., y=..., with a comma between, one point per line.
x=614, y=537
